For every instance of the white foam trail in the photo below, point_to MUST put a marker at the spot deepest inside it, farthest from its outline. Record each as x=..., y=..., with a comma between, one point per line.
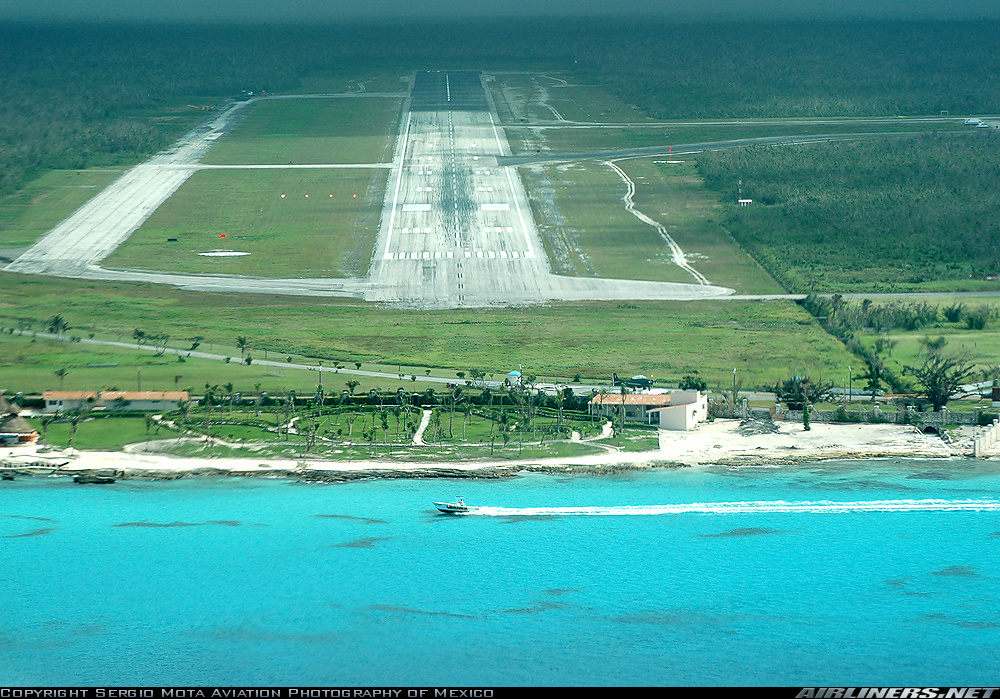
x=762, y=506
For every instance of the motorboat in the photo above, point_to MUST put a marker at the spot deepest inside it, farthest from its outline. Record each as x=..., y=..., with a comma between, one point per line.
x=453, y=508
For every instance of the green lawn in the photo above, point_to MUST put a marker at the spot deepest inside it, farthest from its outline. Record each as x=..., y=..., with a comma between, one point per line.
x=304, y=131
x=329, y=234
x=100, y=433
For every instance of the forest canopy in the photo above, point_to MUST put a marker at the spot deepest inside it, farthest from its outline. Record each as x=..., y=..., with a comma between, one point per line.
x=876, y=215
x=85, y=95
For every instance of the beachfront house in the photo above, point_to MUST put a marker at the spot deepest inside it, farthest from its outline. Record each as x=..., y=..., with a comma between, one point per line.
x=686, y=410
x=681, y=410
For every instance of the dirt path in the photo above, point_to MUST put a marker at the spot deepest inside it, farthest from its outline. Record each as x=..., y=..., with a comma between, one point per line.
x=418, y=436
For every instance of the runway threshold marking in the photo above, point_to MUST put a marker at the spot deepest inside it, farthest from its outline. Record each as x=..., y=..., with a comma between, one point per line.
x=450, y=255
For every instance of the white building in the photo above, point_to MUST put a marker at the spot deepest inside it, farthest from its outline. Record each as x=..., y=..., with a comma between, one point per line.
x=686, y=409
x=680, y=410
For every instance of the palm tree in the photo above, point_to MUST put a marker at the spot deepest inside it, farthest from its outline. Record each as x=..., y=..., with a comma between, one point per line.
x=57, y=325
x=243, y=344
x=210, y=392
x=61, y=373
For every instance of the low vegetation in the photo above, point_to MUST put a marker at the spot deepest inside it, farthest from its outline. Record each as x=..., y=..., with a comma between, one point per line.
x=895, y=215
x=310, y=131
x=587, y=231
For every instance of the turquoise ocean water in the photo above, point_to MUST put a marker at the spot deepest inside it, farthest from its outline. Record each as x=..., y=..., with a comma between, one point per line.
x=843, y=573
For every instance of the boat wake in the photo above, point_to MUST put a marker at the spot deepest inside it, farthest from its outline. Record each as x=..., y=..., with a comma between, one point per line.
x=765, y=506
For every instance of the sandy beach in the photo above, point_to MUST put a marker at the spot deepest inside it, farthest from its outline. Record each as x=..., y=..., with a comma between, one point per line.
x=718, y=442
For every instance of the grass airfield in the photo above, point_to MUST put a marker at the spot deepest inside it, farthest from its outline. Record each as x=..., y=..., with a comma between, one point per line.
x=330, y=233
x=312, y=131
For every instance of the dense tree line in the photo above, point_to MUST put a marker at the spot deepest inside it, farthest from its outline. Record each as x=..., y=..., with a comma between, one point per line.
x=801, y=68
x=77, y=95
x=80, y=95
x=868, y=215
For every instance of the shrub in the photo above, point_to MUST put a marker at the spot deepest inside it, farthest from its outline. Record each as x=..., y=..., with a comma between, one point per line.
x=976, y=320
x=953, y=313
x=693, y=383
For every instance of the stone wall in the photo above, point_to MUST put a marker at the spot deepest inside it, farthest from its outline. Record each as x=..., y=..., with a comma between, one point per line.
x=909, y=415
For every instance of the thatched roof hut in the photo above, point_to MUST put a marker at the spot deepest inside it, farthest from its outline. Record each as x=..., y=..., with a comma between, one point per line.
x=16, y=430
x=6, y=407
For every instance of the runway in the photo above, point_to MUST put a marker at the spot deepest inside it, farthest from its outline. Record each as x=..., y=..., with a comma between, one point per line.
x=456, y=228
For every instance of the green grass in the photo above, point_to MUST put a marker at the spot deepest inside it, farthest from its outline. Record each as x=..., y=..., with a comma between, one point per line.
x=587, y=231
x=667, y=340
x=100, y=433
x=29, y=366
x=329, y=234
x=306, y=131
x=585, y=140
x=634, y=440
x=981, y=347
x=520, y=98
x=248, y=435
x=28, y=214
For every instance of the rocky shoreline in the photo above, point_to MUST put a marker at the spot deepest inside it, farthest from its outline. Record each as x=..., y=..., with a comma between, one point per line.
x=721, y=443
